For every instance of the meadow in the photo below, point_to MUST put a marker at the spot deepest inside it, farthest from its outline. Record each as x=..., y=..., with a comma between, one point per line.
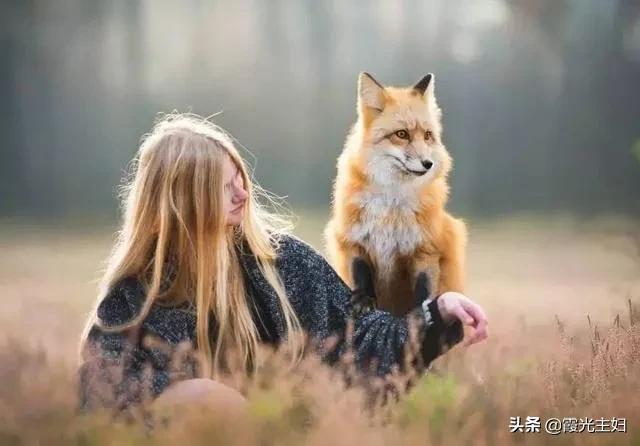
x=562, y=295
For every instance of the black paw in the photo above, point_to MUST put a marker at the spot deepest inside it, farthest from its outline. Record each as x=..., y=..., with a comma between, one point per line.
x=361, y=303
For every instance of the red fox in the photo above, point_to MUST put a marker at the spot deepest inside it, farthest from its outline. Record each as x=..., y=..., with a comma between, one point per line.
x=389, y=236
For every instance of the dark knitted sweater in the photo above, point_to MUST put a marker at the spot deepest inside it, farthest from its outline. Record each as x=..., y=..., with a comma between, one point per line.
x=321, y=300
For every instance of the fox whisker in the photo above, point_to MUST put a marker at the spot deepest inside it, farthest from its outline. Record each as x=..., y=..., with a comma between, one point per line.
x=400, y=162
x=404, y=166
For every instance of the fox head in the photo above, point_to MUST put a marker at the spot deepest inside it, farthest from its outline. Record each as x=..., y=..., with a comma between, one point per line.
x=399, y=132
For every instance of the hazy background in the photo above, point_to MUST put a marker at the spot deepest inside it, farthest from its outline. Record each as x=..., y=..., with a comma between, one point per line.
x=541, y=102
x=541, y=98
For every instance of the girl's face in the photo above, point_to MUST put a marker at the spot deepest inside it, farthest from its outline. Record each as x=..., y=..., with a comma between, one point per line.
x=235, y=194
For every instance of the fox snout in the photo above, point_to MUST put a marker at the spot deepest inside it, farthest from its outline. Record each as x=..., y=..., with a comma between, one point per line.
x=427, y=164
x=415, y=165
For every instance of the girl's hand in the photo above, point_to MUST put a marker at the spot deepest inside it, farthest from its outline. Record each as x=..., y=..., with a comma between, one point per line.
x=453, y=305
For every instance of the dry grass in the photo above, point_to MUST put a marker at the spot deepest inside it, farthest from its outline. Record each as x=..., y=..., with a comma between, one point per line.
x=562, y=299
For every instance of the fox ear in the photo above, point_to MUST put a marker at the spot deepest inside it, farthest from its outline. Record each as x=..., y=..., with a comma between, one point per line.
x=370, y=93
x=426, y=84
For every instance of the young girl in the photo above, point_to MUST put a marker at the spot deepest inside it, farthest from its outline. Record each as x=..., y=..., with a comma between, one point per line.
x=200, y=260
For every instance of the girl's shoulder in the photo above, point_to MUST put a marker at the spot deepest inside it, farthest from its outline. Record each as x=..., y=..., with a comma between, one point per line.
x=122, y=302
x=168, y=323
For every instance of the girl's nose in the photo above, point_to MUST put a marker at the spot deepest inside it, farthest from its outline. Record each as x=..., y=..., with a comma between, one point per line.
x=240, y=195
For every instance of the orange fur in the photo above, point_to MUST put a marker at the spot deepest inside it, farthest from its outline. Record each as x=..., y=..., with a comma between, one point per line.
x=388, y=211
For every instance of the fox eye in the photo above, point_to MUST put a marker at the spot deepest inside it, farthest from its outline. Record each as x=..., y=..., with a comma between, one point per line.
x=428, y=136
x=402, y=134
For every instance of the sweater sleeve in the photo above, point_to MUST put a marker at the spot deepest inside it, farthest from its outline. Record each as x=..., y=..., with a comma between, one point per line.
x=116, y=370
x=379, y=339
x=324, y=304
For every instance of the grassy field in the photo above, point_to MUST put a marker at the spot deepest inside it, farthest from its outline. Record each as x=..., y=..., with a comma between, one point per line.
x=552, y=287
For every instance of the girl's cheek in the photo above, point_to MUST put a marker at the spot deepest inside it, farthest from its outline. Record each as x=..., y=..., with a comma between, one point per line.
x=228, y=200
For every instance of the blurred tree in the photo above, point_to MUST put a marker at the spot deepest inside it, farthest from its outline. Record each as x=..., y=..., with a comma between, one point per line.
x=540, y=98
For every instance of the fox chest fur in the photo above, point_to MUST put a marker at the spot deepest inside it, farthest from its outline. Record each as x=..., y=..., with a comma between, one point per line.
x=387, y=226
x=389, y=231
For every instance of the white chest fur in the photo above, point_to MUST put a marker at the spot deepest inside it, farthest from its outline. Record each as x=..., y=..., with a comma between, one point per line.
x=388, y=225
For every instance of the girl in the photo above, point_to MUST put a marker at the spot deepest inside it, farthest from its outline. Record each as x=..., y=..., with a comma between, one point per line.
x=199, y=260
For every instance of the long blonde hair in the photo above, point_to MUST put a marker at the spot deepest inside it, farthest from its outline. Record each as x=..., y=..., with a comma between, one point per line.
x=173, y=215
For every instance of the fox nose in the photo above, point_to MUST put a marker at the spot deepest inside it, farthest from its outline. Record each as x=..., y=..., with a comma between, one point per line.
x=427, y=164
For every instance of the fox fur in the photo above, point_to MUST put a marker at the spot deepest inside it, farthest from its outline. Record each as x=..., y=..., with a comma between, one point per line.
x=389, y=235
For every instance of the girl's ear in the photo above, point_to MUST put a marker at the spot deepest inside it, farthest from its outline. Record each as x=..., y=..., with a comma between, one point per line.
x=370, y=93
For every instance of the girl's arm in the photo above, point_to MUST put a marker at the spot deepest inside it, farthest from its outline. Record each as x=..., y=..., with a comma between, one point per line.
x=380, y=339
x=324, y=305
x=117, y=370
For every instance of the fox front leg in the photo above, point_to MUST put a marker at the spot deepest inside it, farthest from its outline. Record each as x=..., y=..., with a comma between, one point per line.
x=423, y=288
x=424, y=267
x=363, y=276
x=363, y=294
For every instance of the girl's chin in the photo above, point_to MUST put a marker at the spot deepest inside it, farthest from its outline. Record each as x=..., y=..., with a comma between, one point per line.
x=235, y=218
